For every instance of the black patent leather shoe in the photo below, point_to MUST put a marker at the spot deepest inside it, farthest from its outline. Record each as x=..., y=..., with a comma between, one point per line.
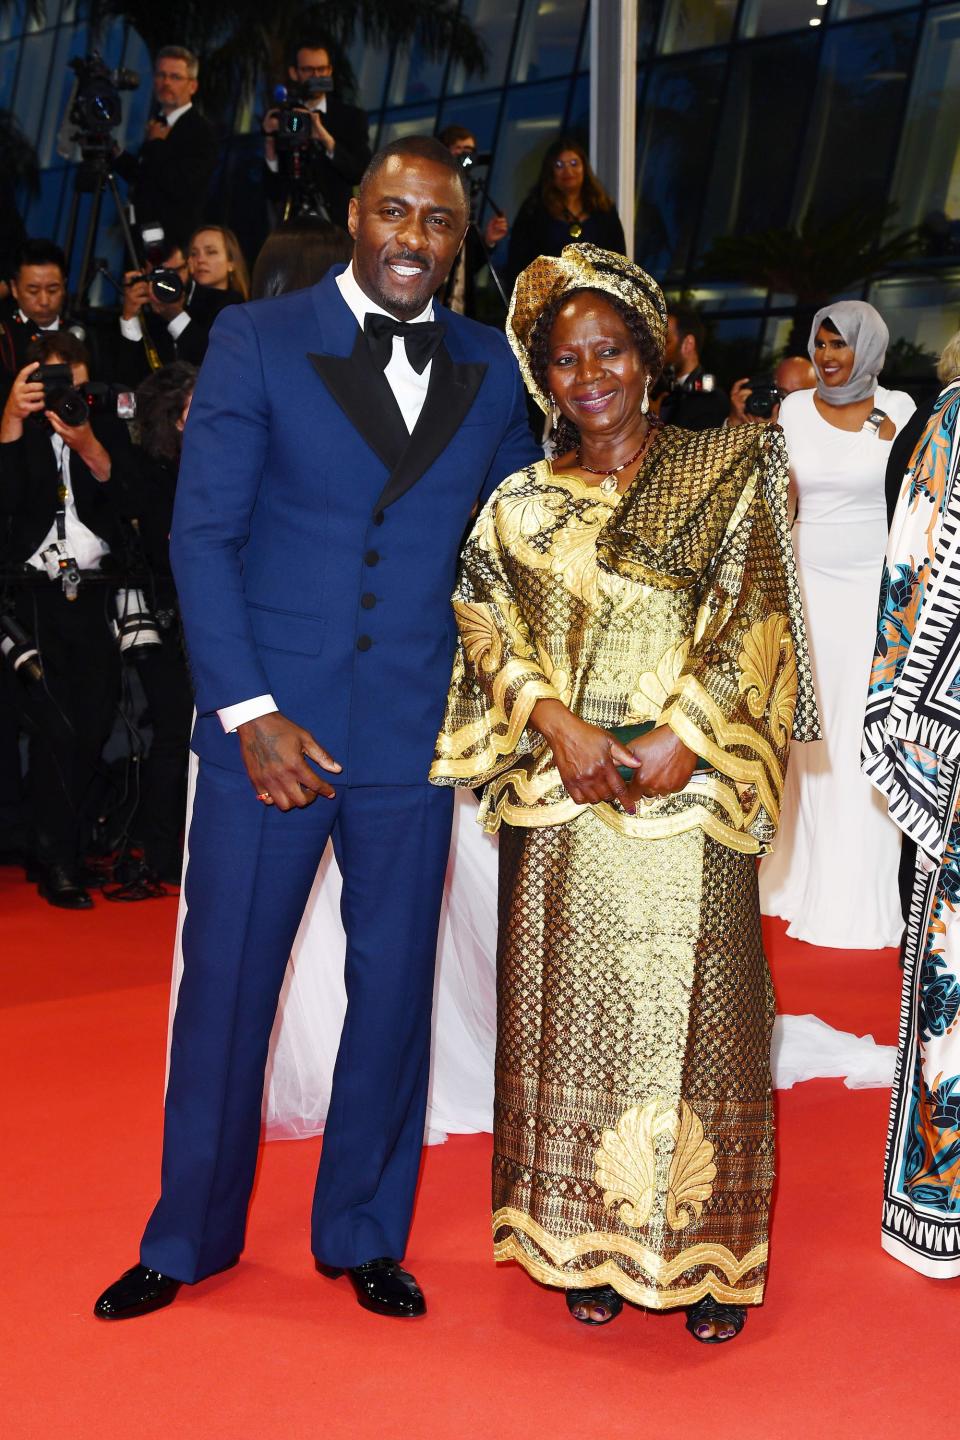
x=59, y=885
x=382, y=1287
x=138, y=1291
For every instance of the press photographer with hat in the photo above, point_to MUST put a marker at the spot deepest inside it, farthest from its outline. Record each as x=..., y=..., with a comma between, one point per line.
x=63, y=528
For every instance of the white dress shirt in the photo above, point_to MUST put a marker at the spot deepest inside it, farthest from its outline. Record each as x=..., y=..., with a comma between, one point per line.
x=173, y=116
x=44, y=329
x=85, y=547
x=409, y=391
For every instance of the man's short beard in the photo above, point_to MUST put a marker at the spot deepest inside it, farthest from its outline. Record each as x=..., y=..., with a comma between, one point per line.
x=393, y=305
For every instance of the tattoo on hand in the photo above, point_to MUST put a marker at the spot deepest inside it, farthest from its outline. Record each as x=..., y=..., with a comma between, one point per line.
x=263, y=748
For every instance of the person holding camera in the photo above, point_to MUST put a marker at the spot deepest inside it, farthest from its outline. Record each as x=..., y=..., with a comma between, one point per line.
x=170, y=176
x=177, y=306
x=458, y=293
x=314, y=175
x=754, y=400
x=688, y=396
x=56, y=467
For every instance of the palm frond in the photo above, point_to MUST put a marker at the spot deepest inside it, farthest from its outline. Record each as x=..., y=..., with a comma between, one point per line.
x=241, y=47
x=818, y=260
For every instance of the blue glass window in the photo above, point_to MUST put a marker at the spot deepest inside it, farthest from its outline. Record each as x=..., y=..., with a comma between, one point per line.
x=677, y=125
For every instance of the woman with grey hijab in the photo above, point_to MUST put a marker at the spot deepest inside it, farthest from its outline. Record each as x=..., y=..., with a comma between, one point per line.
x=833, y=874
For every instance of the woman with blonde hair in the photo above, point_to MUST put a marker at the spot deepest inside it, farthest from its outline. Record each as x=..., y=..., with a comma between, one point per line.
x=215, y=260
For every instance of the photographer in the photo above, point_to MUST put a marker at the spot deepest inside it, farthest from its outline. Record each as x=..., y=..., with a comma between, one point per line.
x=687, y=395
x=458, y=292
x=170, y=176
x=316, y=178
x=63, y=527
x=148, y=482
x=179, y=311
x=759, y=399
x=38, y=293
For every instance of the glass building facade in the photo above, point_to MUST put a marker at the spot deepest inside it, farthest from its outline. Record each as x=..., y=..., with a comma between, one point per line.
x=752, y=115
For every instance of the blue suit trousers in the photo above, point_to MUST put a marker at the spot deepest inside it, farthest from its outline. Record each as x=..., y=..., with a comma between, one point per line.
x=249, y=877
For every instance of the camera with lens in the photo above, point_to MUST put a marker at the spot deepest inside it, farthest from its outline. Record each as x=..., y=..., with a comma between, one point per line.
x=135, y=627
x=74, y=404
x=165, y=285
x=19, y=651
x=763, y=399
x=60, y=394
x=291, y=104
x=97, y=108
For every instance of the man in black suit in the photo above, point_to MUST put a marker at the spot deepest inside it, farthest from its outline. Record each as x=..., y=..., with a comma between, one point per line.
x=38, y=293
x=170, y=177
x=688, y=396
x=55, y=494
x=338, y=152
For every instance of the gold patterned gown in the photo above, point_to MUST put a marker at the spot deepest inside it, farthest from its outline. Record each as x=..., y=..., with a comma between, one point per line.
x=633, y=1128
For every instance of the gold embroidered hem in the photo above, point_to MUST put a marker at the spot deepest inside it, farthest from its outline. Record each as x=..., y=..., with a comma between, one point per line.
x=712, y=1269
x=633, y=1128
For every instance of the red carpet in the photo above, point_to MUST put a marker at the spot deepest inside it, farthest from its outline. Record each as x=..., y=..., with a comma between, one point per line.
x=272, y=1350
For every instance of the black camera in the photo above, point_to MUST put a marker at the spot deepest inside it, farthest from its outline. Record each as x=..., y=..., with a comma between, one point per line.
x=308, y=90
x=74, y=404
x=97, y=108
x=60, y=394
x=294, y=127
x=166, y=285
x=763, y=399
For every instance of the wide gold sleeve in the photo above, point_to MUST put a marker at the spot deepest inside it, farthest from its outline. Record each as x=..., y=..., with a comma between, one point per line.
x=497, y=675
x=746, y=685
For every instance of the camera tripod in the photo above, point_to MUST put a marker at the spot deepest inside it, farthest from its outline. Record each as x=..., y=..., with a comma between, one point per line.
x=95, y=177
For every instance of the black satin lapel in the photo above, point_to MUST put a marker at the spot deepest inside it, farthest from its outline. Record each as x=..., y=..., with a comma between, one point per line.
x=364, y=395
x=452, y=390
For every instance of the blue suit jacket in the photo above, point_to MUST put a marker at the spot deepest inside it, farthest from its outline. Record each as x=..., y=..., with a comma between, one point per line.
x=315, y=541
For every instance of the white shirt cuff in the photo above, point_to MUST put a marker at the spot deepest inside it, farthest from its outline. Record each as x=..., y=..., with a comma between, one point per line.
x=272, y=165
x=178, y=324
x=231, y=716
x=131, y=329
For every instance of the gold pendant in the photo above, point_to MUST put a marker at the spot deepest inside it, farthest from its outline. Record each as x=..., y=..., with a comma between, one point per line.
x=576, y=230
x=608, y=486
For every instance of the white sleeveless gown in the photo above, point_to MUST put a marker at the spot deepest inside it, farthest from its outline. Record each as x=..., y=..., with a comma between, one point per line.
x=833, y=870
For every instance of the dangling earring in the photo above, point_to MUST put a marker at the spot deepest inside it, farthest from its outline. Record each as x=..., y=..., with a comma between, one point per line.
x=645, y=402
x=554, y=415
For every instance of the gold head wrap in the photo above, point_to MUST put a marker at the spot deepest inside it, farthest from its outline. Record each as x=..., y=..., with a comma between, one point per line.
x=579, y=267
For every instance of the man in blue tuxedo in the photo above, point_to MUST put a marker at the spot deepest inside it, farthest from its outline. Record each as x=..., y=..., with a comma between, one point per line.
x=338, y=443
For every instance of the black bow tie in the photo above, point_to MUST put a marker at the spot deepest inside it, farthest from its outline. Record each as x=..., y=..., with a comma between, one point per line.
x=421, y=341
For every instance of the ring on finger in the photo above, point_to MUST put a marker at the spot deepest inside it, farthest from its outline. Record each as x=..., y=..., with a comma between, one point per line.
x=265, y=796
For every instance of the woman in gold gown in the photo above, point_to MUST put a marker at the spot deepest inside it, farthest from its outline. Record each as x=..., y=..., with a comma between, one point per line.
x=644, y=578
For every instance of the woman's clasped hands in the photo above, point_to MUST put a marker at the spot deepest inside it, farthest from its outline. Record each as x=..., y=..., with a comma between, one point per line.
x=587, y=758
